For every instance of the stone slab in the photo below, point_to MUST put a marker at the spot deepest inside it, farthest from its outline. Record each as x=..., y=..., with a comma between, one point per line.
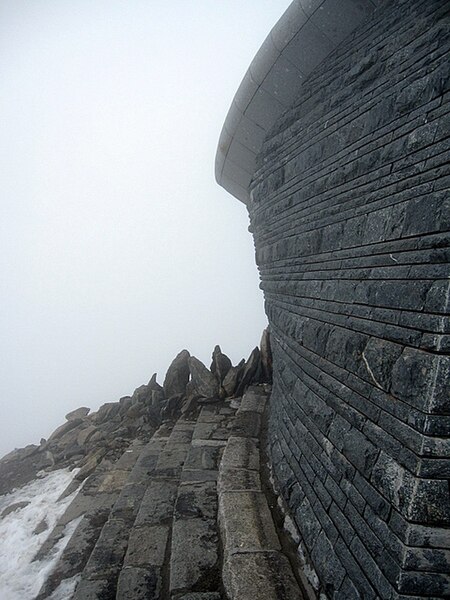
x=253, y=402
x=261, y=575
x=107, y=557
x=246, y=522
x=194, y=555
x=239, y=480
x=138, y=584
x=246, y=424
x=241, y=453
x=158, y=503
x=147, y=546
x=94, y=590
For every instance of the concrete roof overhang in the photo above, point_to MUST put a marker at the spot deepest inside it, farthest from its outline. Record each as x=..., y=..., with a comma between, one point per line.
x=305, y=35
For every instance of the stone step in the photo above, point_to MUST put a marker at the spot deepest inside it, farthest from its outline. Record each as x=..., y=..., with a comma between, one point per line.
x=143, y=574
x=195, y=572
x=101, y=574
x=91, y=506
x=253, y=563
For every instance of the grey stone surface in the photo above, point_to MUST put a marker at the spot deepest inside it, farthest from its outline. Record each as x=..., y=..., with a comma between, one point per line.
x=203, y=383
x=262, y=575
x=239, y=480
x=194, y=556
x=139, y=584
x=241, y=453
x=147, y=546
x=177, y=375
x=246, y=522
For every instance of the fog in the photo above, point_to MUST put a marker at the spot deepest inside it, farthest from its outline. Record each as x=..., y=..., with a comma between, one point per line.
x=117, y=247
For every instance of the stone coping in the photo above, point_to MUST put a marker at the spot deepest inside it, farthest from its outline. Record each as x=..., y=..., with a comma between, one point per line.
x=305, y=35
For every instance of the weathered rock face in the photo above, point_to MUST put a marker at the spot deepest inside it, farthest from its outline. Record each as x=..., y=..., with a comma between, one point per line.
x=349, y=210
x=251, y=371
x=220, y=365
x=231, y=379
x=177, y=375
x=203, y=383
x=266, y=356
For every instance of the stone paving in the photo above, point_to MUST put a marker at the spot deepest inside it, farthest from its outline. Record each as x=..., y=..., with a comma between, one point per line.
x=182, y=517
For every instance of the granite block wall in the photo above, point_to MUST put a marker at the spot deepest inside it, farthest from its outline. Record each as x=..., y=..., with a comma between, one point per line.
x=350, y=211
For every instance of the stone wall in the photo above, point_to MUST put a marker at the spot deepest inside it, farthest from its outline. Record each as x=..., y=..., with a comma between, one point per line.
x=350, y=214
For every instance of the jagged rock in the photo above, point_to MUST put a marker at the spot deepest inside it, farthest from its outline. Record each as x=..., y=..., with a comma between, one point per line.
x=20, y=453
x=220, y=365
x=86, y=434
x=13, y=507
x=177, y=375
x=266, y=356
x=153, y=385
x=78, y=413
x=231, y=379
x=203, y=383
x=250, y=371
x=63, y=429
x=106, y=412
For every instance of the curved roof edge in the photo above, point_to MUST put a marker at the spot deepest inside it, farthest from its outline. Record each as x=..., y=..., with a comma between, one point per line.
x=305, y=35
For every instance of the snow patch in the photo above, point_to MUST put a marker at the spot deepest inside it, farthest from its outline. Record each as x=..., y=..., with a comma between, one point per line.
x=66, y=589
x=20, y=577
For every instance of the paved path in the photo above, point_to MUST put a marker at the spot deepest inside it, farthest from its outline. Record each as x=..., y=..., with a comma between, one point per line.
x=182, y=517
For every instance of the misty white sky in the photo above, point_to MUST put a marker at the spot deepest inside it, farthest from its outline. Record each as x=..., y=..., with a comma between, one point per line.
x=117, y=247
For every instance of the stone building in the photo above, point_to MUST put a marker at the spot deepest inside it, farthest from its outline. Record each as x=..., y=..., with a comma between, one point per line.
x=338, y=143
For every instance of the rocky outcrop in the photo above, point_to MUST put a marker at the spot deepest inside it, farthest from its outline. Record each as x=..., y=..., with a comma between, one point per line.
x=203, y=384
x=177, y=376
x=87, y=438
x=147, y=513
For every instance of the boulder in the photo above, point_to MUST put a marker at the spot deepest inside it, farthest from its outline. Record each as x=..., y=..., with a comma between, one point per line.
x=78, y=413
x=251, y=371
x=106, y=412
x=220, y=365
x=63, y=429
x=231, y=379
x=177, y=375
x=203, y=384
x=266, y=356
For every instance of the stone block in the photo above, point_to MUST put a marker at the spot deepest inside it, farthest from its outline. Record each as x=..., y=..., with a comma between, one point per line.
x=241, y=453
x=238, y=480
x=246, y=522
x=262, y=575
x=147, y=546
x=138, y=584
x=158, y=503
x=194, y=554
